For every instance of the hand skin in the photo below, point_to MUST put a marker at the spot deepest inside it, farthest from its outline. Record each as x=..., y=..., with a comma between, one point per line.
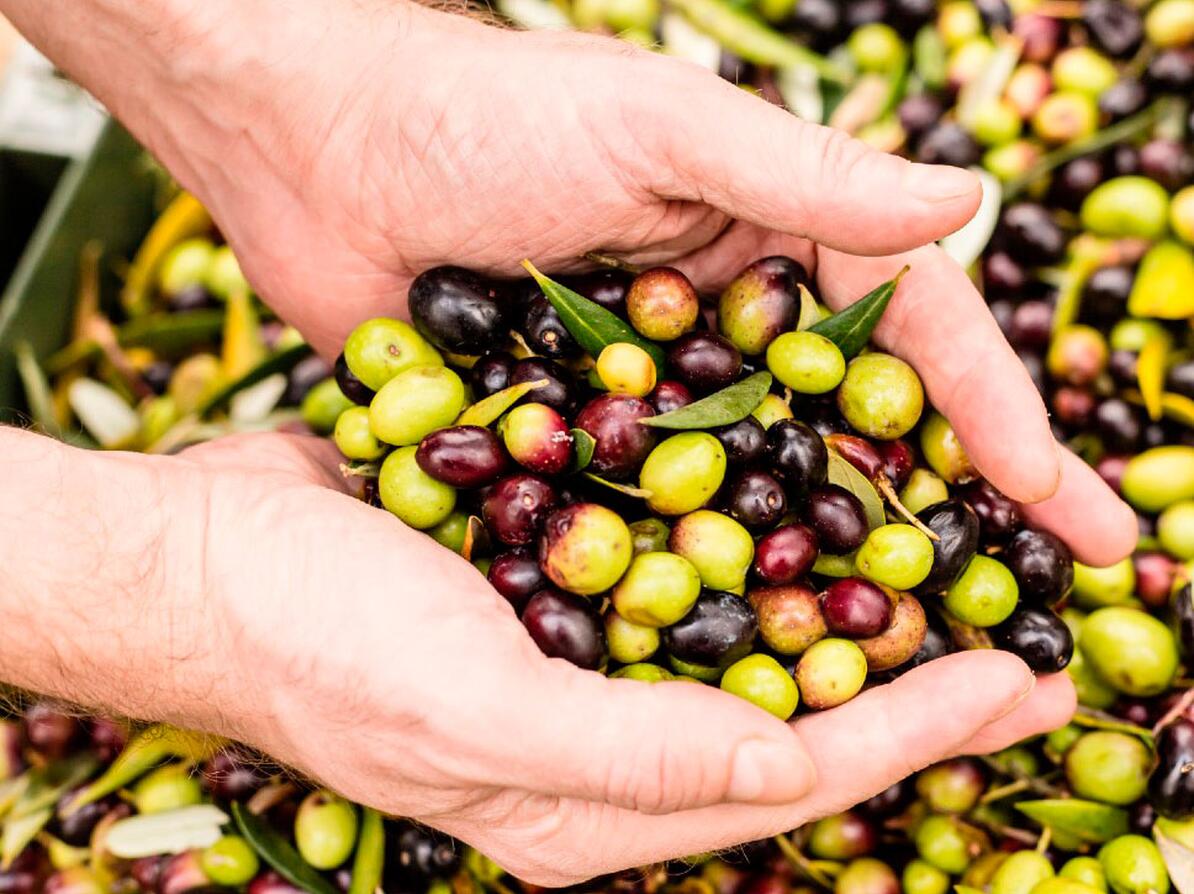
x=343, y=146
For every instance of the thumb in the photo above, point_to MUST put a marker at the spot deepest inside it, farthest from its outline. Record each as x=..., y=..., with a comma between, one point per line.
x=757, y=162
x=653, y=747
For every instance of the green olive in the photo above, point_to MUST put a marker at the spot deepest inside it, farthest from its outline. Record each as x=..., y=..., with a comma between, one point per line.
x=628, y=642
x=1059, y=885
x=1181, y=214
x=695, y=671
x=185, y=265
x=657, y=590
x=1098, y=587
x=224, y=276
x=1134, y=866
x=167, y=788
x=649, y=535
x=985, y=594
x=1181, y=831
x=1160, y=477
x=1012, y=160
x=876, y=47
x=1087, y=870
x=1126, y=206
x=1065, y=116
x=996, y=122
x=718, y=547
x=451, y=532
x=1083, y=69
x=1132, y=334
x=1164, y=283
x=1015, y=761
x=415, y=403
x=1093, y=691
x=898, y=556
x=881, y=396
x=322, y=406
x=806, y=362
x=941, y=841
x=967, y=61
x=618, y=15
x=952, y=786
x=410, y=493
x=1058, y=742
x=841, y=836
x=958, y=21
x=1131, y=650
x=158, y=414
x=379, y=349
x=1108, y=766
x=830, y=672
x=325, y=829
x=1020, y=872
x=762, y=681
x=683, y=472
x=922, y=877
x=586, y=548
x=866, y=875
x=1175, y=530
x=353, y=436
x=944, y=452
x=644, y=673
x=924, y=488
x=1170, y=23
x=230, y=862
x=772, y=409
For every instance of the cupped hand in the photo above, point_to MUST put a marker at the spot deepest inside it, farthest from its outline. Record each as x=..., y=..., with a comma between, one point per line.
x=361, y=652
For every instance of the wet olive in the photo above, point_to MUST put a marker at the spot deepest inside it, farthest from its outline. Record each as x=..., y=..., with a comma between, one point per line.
x=515, y=508
x=762, y=681
x=621, y=443
x=565, y=625
x=545, y=332
x=856, y=608
x=1042, y=564
x=903, y=640
x=585, y=548
x=881, y=396
x=628, y=642
x=760, y=303
x=458, y=310
x=720, y=548
x=957, y=528
x=670, y=395
x=1106, y=766
x=786, y=554
x=745, y=441
x=798, y=455
x=756, y=499
x=789, y=617
x=559, y=393
x=491, y=373
x=1038, y=638
x=717, y=632
x=838, y=518
x=683, y=472
x=467, y=456
x=1171, y=785
x=704, y=361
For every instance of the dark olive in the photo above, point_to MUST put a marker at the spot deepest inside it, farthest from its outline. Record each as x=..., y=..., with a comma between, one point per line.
x=798, y=455
x=1172, y=71
x=1171, y=785
x=761, y=302
x=559, y=393
x=936, y=644
x=1125, y=159
x=745, y=441
x=1074, y=181
x=891, y=801
x=1119, y=424
x=838, y=517
x=907, y=16
x=756, y=499
x=1032, y=235
x=1105, y=294
x=1183, y=611
x=1003, y=273
x=948, y=144
x=957, y=527
x=1180, y=379
x=515, y=508
x=998, y=515
x=1141, y=818
x=704, y=361
x=621, y=442
x=823, y=19
x=1115, y=26
x=417, y=855
x=786, y=554
x=564, y=625
x=995, y=13
x=718, y=631
x=75, y=827
x=864, y=12
x=670, y=395
x=545, y=332
x=462, y=456
x=1042, y=564
x=491, y=373
x=605, y=287
x=458, y=310
x=1037, y=637
x=192, y=297
x=233, y=774
x=1168, y=162
x=898, y=461
x=49, y=731
x=918, y=113
x=1032, y=325
x=517, y=576
x=855, y=608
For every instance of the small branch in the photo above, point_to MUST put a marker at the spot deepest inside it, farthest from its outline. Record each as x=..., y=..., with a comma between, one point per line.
x=608, y=260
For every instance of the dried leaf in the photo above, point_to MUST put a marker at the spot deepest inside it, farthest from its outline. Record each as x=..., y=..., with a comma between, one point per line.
x=170, y=832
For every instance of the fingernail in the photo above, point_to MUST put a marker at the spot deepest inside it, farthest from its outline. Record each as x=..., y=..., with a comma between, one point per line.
x=767, y=772
x=939, y=183
x=1019, y=700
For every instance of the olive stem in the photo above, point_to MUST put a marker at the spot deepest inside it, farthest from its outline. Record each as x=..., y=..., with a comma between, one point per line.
x=360, y=469
x=1024, y=836
x=799, y=862
x=608, y=260
x=1046, y=838
x=1003, y=791
x=270, y=796
x=1183, y=704
x=883, y=485
x=1033, y=783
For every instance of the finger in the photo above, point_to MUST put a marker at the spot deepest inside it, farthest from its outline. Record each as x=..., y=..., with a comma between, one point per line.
x=757, y=162
x=939, y=324
x=1097, y=525
x=305, y=457
x=1050, y=706
x=651, y=748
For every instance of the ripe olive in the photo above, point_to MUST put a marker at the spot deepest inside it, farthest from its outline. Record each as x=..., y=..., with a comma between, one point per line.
x=957, y=529
x=717, y=632
x=662, y=304
x=458, y=310
x=517, y=576
x=719, y=548
x=838, y=518
x=789, y=617
x=544, y=331
x=745, y=441
x=842, y=836
x=904, y=638
x=756, y=499
x=1171, y=785
x=537, y=437
x=760, y=303
x=704, y=361
x=565, y=625
x=1037, y=637
x=585, y=548
x=466, y=456
x=352, y=387
x=785, y=554
x=621, y=443
x=798, y=455
x=515, y=508
x=856, y=608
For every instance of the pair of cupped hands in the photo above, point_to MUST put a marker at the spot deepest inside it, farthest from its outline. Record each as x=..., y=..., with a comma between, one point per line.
x=343, y=147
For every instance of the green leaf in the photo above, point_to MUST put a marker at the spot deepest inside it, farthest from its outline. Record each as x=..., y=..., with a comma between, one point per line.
x=810, y=314
x=929, y=57
x=584, y=444
x=1089, y=821
x=851, y=328
x=724, y=407
x=163, y=333
x=281, y=361
x=845, y=475
x=1150, y=373
x=593, y=327
x=35, y=806
x=369, y=861
x=37, y=389
x=628, y=490
x=1094, y=721
x=488, y=410
x=19, y=831
x=835, y=566
x=278, y=853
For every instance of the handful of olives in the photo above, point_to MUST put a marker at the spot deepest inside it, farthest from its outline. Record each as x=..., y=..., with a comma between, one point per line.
x=670, y=488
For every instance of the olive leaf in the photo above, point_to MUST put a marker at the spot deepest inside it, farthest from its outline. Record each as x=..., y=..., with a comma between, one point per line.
x=37, y=389
x=593, y=327
x=810, y=314
x=966, y=636
x=729, y=405
x=1179, y=859
x=628, y=490
x=1084, y=261
x=988, y=84
x=1089, y=821
x=488, y=410
x=279, y=853
x=279, y=362
x=169, y=832
x=846, y=476
x=1091, y=720
x=851, y=328
x=19, y=831
x=584, y=444
x=369, y=861
x=34, y=808
x=1150, y=373
x=835, y=565
x=1178, y=407
x=929, y=56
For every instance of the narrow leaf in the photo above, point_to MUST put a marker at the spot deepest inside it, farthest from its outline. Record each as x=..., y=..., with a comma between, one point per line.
x=280, y=361
x=19, y=831
x=1178, y=407
x=835, y=566
x=929, y=57
x=279, y=853
x=584, y=444
x=1179, y=859
x=966, y=245
x=1089, y=821
x=170, y=832
x=628, y=490
x=810, y=314
x=851, y=328
x=1150, y=373
x=37, y=389
x=488, y=410
x=845, y=475
x=593, y=327
x=988, y=85
x=1094, y=721
x=369, y=861
x=724, y=407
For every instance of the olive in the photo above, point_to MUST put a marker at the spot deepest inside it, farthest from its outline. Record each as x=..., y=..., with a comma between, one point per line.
x=806, y=362
x=903, y=640
x=515, y=508
x=1083, y=69
x=559, y=393
x=984, y=595
x=1183, y=611
x=1126, y=206
x=1020, y=873
x=167, y=788
x=379, y=349
x=718, y=631
x=517, y=576
x=1115, y=26
x=1086, y=870
x=230, y=861
x=1027, y=88
x=957, y=528
x=1171, y=785
x=1133, y=865
x=998, y=516
x=350, y=386
x=683, y=472
x=838, y=518
x=858, y=452
x=1002, y=273
x=1180, y=378
x=49, y=731
x=875, y=47
x=919, y=112
x=923, y=489
x=1059, y=885
x=491, y=373
x=1065, y=116
x=866, y=876
x=585, y=548
x=944, y=452
x=1042, y=564
x=1154, y=573
x=891, y=801
x=1111, y=767
x=565, y=625
x=1131, y=650
x=843, y=836
x=1038, y=638
x=798, y=455
x=719, y=547
x=865, y=12
x=605, y=287
x=762, y=681
x=943, y=842
x=224, y=276
x=658, y=589
x=1159, y=477
x=234, y=775
x=644, y=673
x=772, y=409
x=545, y=332
x=856, y=608
x=704, y=361
x=415, y=403
x=948, y=143
x=898, y=461
x=881, y=396
x=649, y=535
x=626, y=369
x=269, y=883
x=786, y=554
x=325, y=829
x=75, y=880
x=189, y=298
x=1119, y=424
x=920, y=877
x=830, y=672
x=1168, y=162
x=760, y=303
x=897, y=555
x=1175, y=529
x=75, y=825
x=1172, y=71
x=662, y=304
x=185, y=265
x=536, y=436
x=1032, y=325
x=745, y=441
x=1073, y=182
x=417, y=855
x=1181, y=221
x=629, y=643
x=756, y=499
x=458, y=310
x=465, y=456
x=670, y=395
x=789, y=617
x=1093, y=691
x=621, y=444
x=996, y=122
x=1077, y=355
x=952, y=786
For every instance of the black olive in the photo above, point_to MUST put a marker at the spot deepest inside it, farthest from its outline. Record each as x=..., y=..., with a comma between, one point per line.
x=1171, y=785
x=957, y=526
x=716, y=632
x=1038, y=637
